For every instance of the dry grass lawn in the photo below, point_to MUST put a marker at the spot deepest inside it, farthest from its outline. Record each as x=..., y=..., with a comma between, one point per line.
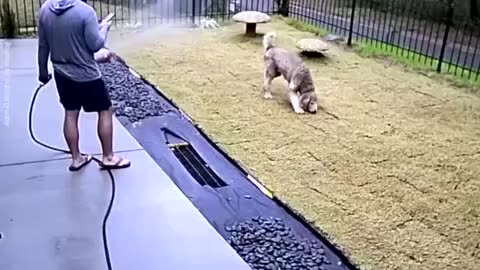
x=389, y=171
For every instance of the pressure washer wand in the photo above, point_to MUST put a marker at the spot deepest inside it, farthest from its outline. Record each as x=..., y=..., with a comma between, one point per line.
x=104, y=55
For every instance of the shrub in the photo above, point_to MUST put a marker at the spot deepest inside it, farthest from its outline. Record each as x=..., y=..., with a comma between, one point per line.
x=7, y=20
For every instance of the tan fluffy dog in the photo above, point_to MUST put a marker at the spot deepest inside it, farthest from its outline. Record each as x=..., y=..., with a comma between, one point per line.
x=279, y=62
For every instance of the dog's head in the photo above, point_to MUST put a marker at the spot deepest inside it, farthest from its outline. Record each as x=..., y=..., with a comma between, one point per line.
x=308, y=102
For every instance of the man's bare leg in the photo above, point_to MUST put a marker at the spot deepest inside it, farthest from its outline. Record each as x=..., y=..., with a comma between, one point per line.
x=105, y=134
x=70, y=132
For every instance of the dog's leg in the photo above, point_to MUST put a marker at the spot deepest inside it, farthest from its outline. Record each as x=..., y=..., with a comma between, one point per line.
x=294, y=100
x=267, y=83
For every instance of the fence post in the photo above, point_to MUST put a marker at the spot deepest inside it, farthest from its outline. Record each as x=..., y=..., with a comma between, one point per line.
x=445, y=36
x=193, y=11
x=352, y=17
x=284, y=7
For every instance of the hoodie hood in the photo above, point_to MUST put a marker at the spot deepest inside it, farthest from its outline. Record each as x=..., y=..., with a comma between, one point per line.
x=60, y=6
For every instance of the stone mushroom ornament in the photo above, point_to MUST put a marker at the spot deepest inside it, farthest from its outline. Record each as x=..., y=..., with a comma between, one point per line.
x=251, y=19
x=312, y=45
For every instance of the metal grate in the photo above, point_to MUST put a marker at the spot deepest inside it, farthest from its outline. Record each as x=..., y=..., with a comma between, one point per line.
x=196, y=166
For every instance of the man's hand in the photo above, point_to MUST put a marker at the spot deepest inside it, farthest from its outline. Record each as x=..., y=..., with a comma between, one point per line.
x=44, y=79
x=103, y=56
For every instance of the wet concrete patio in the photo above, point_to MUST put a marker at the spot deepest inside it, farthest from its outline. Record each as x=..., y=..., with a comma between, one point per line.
x=51, y=218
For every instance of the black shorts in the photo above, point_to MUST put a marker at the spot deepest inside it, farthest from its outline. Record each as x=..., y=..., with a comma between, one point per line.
x=92, y=96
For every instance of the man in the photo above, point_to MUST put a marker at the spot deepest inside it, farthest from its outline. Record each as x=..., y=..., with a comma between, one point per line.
x=69, y=32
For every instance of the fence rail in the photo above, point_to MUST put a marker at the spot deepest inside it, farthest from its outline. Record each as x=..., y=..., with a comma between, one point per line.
x=430, y=32
x=444, y=42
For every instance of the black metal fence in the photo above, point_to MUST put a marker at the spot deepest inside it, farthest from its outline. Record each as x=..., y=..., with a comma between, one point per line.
x=132, y=12
x=427, y=32
x=437, y=33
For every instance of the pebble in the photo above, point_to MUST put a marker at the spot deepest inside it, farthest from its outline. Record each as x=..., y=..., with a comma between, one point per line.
x=132, y=99
x=267, y=244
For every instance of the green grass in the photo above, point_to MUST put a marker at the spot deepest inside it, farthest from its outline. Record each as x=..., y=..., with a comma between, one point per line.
x=7, y=20
x=306, y=27
x=426, y=65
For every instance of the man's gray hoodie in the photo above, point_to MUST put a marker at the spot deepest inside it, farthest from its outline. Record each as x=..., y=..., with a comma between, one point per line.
x=69, y=33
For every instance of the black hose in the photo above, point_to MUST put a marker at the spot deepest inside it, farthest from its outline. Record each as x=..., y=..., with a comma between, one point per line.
x=112, y=178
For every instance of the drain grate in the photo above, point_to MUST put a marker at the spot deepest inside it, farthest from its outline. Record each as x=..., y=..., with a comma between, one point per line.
x=196, y=166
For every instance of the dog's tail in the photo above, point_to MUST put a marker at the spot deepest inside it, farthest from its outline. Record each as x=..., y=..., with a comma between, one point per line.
x=269, y=40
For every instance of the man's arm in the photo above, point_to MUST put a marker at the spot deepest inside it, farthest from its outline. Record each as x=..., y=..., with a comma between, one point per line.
x=95, y=35
x=43, y=49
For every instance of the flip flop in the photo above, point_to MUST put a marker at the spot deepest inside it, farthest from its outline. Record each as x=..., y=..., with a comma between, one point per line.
x=116, y=165
x=87, y=160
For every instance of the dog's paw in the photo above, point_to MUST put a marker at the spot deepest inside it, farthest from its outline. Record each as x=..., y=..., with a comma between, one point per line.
x=267, y=96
